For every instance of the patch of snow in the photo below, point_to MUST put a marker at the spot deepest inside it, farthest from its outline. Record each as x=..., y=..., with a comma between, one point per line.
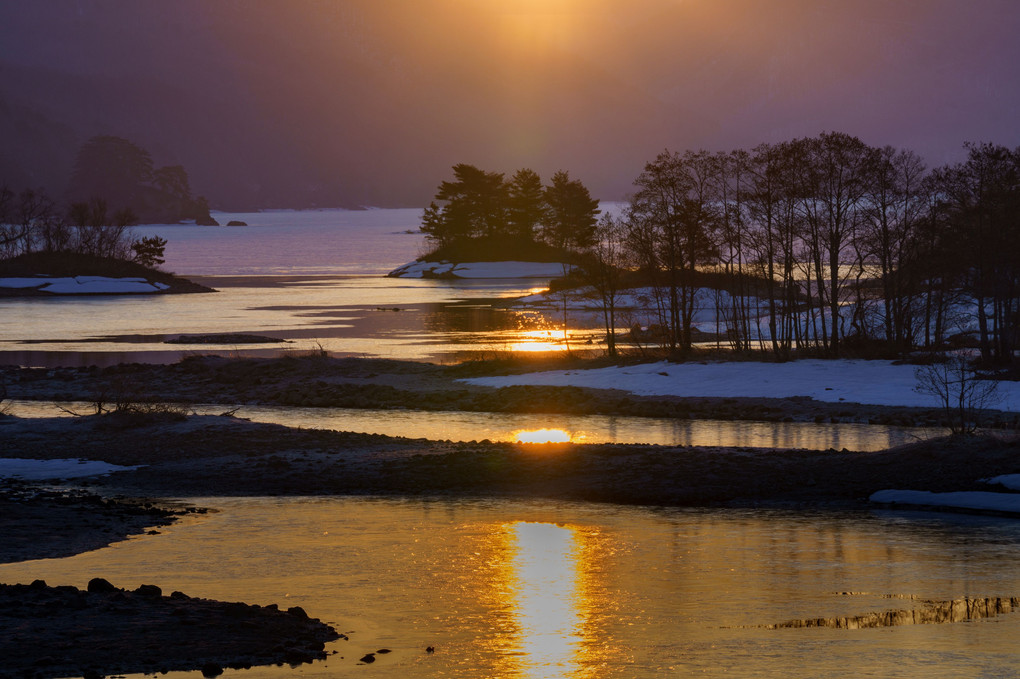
x=483, y=270
x=853, y=381
x=34, y=282
x=1011, y=481
x=85, y=285
x=100, y=279
x=976, y=500
x=39, y=470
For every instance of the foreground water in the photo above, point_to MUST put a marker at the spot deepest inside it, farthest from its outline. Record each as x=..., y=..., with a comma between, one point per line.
x=540, y=589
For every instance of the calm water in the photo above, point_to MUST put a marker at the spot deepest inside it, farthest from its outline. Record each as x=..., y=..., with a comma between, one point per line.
x=537, y=589
x=471, y=426
x=310, y=277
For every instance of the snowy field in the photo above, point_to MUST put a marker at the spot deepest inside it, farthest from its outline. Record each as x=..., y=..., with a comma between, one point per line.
x=852, y=381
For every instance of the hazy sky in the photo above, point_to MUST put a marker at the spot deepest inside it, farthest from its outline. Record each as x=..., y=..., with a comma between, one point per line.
x=286, y=102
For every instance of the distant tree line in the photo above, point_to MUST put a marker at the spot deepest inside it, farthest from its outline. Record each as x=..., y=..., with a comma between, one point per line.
x=826, y=243
x=484, y=206
x=123, y=174
x=108, y=171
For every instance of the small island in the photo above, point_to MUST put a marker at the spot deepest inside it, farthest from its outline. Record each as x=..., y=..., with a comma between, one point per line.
x=486, y=226
x=46, y=274
x=83, y=249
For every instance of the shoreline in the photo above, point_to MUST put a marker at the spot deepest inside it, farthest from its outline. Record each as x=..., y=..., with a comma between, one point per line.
x=193, y=456
x=376, y=383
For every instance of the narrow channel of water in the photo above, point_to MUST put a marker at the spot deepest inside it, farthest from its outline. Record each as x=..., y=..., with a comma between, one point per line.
x=532, y=589
x=472, y=426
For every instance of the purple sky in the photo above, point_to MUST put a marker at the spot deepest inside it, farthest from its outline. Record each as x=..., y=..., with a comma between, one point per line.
x=300, y=102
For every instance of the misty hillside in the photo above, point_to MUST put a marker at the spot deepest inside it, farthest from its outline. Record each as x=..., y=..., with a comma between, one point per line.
x=370, y=102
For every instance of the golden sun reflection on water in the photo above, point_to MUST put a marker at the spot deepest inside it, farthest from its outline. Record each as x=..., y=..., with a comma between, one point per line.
x=539, y=341
x=542, y=436
x=546, y=571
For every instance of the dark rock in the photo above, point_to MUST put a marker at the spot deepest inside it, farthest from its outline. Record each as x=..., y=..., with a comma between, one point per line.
x=149, y=590
x=298, y=611
x=211, y=670
x=206, y=220
x=100, y=585
x=296, y=657
x=236, y=222
x=368, y=658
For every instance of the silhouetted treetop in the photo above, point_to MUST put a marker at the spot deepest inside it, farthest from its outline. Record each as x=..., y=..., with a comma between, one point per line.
x=517, y=213
x=122, y=173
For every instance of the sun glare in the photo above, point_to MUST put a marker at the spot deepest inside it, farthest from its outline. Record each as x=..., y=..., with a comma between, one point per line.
x=543, y=436
x=546, y=569
x=539, y=341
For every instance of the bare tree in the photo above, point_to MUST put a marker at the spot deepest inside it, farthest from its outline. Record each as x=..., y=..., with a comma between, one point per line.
x=674, y=217
x=959, y=390
x=603, y=267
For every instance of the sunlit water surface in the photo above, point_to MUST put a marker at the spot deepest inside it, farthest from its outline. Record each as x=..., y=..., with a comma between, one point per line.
x=539, y=589
x=544, y=428
x=315, y=278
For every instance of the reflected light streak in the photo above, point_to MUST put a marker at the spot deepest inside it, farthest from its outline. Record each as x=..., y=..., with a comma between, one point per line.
x=542, y=436
x=540, y=340
x=547, y=573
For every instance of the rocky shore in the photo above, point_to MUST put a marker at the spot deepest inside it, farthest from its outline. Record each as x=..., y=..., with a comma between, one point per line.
x=173, y=454
x=64, y=631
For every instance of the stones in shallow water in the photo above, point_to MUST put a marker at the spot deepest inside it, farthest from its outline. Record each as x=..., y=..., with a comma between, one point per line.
x=64, y=631
x=933, y=613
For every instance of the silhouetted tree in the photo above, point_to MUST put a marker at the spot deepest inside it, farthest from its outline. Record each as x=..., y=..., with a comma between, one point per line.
x=897, y=203
x=98, y=232
x=603, y=265
x=771, y=201
x=836, y=181
x=475, y=202
x=526, y=204
x=673, y=218
x=979, y=199
x=570, y=223
x=111, y=167
x=149, y=251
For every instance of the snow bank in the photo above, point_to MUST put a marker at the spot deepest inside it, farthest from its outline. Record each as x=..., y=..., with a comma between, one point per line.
x=853, y=381
x=85, y=285
x=1011, y=481
x=38, y=470
x=479, y=270
x=1008, y=503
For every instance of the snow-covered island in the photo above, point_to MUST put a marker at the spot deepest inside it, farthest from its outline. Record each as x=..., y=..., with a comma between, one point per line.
x=74, y=274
